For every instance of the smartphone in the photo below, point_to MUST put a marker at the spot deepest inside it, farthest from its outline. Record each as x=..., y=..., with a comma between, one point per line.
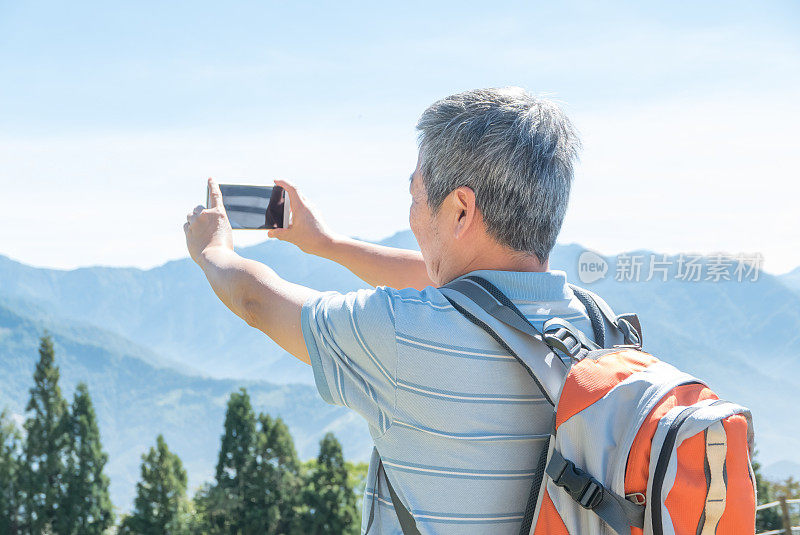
x=255, y=207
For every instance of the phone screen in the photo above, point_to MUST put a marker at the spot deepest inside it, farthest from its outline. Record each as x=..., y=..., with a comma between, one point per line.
x=253, y=207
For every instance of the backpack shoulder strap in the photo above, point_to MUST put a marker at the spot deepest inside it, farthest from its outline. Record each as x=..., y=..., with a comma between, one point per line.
x=407, y=522
x=594, y=313
x=497, y=315
x=542, y=364
x=627, y=325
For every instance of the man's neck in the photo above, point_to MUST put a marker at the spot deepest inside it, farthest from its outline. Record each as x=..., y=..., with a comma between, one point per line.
x=503, y=262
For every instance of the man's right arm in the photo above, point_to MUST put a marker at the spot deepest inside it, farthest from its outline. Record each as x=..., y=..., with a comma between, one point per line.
x=377, y=265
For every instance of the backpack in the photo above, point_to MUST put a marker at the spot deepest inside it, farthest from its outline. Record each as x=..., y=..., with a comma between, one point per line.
x=636, y=445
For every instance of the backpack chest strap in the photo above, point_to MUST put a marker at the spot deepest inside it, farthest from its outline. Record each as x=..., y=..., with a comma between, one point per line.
x=619, y=513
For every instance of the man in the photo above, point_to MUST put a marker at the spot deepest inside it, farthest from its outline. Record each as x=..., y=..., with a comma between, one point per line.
x=457, y=422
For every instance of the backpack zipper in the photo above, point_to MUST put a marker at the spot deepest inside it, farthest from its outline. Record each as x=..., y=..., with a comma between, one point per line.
x=661, y=467
x=617, y=480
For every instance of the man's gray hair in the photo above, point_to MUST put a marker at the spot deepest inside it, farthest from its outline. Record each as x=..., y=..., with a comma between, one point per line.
x=516, y=153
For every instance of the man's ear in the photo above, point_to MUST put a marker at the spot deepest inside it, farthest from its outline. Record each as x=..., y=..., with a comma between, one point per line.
x=464, y=201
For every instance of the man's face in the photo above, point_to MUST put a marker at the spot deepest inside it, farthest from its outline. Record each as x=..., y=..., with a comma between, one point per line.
x=424, y=225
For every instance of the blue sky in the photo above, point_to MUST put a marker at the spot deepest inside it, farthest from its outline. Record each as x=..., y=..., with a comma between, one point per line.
x=113, y=113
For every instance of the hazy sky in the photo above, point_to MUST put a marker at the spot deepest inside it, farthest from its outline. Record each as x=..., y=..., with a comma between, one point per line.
x=113, y=113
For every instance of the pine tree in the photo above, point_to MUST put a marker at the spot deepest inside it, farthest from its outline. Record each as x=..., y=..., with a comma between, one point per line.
x=235, y=459
x=10, y=467
x=45, y=446
x=357, y=480
x=331, y=500
x=210, y=511
x=160, y=501
x=273, y=481
x=88, y=508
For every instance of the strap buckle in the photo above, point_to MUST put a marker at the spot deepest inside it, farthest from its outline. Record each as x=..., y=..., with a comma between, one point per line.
x=582, y=487
x=561, y=335
x=631, y=329
x=563, y=340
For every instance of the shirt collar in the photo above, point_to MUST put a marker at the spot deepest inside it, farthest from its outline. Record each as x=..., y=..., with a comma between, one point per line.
x=530, y=285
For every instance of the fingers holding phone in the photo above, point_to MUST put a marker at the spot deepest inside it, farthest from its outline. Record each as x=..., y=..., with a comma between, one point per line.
x=214, y=195
x=208, y=227
x=251, y=207
x=306, y=230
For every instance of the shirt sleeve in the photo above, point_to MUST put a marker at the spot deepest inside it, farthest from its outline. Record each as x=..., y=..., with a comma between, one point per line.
x=352, y=346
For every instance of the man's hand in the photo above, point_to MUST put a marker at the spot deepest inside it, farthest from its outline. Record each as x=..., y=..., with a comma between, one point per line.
x=307, y=230
x=207, y=228
x=375, y=264
x=252, y=291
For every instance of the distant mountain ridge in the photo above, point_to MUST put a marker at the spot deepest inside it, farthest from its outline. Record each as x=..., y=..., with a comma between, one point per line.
x=135, y=399
x=171, y=310
x=742, y=337
x=792, y=279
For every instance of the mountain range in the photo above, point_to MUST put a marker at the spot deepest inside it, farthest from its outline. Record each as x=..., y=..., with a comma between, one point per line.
x=792, y=279
x=138, y=394
x=161, y=354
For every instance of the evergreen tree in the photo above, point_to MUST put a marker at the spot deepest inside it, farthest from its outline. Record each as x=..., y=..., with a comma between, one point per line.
x=10, y=466
x=209, y=511
x=273, y=481
x=45, y=446
x=331, y=500
x=357, y=480
x=228, y=499
x=88, y=508
x=159, y=507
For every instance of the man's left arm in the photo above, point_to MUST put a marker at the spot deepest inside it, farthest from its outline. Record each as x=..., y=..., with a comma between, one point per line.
x=255, y=293
x=252, y=290
x=352, y=347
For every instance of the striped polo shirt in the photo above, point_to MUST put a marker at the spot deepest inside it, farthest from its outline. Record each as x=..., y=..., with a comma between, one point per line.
x=458, y=422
